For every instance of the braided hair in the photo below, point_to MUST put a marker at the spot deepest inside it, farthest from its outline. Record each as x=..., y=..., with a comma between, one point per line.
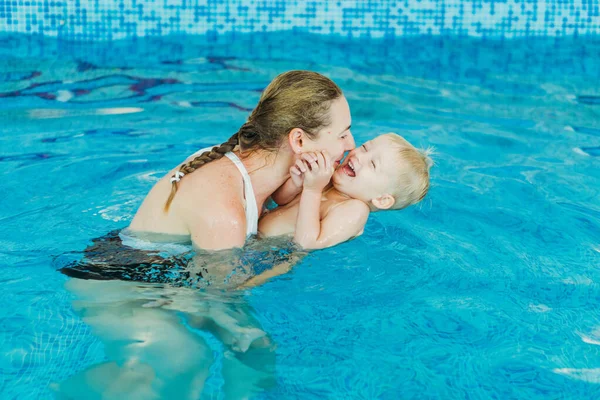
x=215, y=153
x=294, y=99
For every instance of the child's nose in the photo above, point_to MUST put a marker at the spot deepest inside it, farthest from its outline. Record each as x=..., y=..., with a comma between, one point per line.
x=359, y=157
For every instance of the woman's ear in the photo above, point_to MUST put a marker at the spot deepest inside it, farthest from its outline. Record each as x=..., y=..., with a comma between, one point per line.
x=384, y=202
x=296, y=137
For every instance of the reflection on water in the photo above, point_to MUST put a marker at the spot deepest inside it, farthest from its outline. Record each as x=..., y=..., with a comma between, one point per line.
x=45, y=113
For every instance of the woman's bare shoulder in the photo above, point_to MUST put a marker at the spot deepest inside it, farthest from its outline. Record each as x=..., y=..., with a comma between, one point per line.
x=210, y=195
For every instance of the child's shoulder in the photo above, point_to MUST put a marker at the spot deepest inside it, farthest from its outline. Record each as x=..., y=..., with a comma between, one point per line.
x=358, y=206
x=351, y=209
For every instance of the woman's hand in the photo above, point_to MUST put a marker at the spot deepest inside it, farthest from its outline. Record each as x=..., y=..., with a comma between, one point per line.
x=318, y=170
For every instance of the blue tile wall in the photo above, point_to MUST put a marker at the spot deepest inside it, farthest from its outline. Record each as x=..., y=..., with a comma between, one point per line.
x=118, y=19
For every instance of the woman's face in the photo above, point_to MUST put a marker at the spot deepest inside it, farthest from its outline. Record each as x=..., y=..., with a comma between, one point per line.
x=336, y=138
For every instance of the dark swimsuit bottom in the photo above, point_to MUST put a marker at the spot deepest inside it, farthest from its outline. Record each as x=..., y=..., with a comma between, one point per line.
x=107, y=258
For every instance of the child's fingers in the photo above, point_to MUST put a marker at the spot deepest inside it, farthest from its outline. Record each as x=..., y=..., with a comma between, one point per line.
x=301, y=165
x=321, y=160
x=327, y=159
x=309, y=157
x=313, y=162
x=295, y=170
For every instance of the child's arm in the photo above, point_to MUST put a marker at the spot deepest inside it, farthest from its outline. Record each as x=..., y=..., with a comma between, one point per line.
x=342, y=223
x=286, y=192
x=293, y=186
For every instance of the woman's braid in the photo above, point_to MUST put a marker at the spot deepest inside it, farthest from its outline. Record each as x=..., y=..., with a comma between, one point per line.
x=213, y=154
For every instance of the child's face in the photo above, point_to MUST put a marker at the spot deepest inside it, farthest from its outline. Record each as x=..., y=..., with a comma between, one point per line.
x=367, y=171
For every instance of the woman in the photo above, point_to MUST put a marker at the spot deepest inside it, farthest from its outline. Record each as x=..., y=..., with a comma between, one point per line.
x=145, y=328
x=300, y=111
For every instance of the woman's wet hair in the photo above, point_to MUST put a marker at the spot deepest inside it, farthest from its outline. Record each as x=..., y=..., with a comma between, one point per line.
x=294, y=99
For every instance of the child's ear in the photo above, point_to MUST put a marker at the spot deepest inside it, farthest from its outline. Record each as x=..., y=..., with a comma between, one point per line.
x=296, y=139
x=384, y=202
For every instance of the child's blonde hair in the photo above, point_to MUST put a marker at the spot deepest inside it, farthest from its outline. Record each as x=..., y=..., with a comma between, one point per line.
x=412, y=179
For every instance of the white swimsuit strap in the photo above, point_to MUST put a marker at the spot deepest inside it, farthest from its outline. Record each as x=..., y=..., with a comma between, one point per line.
x=250, y=200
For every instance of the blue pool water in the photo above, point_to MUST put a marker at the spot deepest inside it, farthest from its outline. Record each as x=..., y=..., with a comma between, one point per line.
x=488, y=289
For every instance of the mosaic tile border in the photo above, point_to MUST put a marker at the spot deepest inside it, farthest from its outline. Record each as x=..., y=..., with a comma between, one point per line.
x=118, y=19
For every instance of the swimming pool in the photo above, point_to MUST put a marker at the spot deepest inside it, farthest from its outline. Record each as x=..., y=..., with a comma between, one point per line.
x=489, y=289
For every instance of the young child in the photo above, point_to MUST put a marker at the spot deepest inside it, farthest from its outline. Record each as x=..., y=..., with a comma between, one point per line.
x=386, y=173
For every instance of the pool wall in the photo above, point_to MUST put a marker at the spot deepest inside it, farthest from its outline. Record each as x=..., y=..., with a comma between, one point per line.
x=100, y=20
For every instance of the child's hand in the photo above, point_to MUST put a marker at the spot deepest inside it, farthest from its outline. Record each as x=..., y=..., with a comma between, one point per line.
x=297, y=173
x=318, y=171
x=297, y=170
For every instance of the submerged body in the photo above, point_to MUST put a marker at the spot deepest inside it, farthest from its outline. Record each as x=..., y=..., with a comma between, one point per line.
x=150, y=333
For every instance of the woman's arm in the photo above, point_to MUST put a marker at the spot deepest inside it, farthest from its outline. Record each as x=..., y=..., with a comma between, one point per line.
x=212, y=209
x=225, y=234
x=218, y=225
x=277, y=270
